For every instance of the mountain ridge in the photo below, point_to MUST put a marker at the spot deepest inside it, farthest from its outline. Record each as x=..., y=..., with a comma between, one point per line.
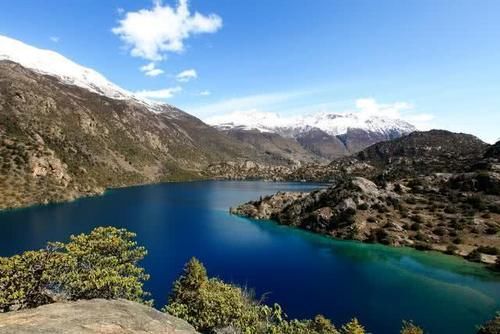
x=325, y=135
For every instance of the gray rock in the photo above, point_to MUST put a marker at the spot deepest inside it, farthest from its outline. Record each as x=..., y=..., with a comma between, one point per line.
x=93, y=316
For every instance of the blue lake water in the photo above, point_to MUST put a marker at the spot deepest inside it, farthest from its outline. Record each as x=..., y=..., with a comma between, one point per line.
x=306, y=273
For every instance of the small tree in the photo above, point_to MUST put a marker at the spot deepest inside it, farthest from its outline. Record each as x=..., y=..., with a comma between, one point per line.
x=209, y=304
x=353, y=327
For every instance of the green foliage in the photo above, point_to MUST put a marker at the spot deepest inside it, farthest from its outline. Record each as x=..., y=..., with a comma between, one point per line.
x=353, y=327
x=209, y=304
x=102, y=264
x=25, y=278
x=410, y=328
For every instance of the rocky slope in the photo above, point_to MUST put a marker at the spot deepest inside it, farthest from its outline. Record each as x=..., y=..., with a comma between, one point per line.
x=276, y=148
x=93, y=316
x=61, y=141
x=429, y=190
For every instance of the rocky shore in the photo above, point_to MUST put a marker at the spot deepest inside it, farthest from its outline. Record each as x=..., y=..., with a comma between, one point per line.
x=358, y=209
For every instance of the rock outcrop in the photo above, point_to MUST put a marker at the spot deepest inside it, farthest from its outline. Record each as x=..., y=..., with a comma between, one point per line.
x=93, y=316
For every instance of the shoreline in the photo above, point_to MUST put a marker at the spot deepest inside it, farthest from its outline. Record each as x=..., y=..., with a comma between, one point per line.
x=490, y=265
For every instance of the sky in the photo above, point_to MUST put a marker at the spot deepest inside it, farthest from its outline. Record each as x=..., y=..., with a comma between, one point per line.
x=434, y=63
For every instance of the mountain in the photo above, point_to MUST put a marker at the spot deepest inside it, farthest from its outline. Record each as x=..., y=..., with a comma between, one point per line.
x=66, y=131
x=425, y=152
x=325, y=135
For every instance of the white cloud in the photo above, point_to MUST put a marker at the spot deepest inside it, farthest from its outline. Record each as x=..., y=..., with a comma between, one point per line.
x=186, y=75
x=54, y=39
x=398, y=110
x=150, y=70
x=160, y=94
x=370, y=107
x=205, y=93
x=151, y=33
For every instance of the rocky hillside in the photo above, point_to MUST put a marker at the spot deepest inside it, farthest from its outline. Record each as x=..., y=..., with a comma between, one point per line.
x=429, y=190
x=93, y=316
x=426, y=152
x=60, y=141
x=276, y=148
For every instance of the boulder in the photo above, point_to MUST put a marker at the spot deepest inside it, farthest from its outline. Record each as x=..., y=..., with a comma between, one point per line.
x=93, y=316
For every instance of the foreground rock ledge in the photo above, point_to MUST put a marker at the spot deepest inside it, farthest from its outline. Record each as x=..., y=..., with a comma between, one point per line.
x=93, y=316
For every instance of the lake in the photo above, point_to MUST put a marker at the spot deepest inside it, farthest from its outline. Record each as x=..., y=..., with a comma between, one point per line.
x=306, y=273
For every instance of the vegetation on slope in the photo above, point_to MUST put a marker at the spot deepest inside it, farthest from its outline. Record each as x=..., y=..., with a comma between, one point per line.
x=59, y=142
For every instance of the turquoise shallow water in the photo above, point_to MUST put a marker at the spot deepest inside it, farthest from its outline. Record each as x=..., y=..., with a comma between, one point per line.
x=304, y=272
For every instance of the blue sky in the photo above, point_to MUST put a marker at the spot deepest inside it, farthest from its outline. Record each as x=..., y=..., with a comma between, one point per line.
x=435, y=63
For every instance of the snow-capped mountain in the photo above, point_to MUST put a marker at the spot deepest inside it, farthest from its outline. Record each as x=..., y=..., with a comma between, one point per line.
x=327, y=135
x=330, y=123
x=68, y=72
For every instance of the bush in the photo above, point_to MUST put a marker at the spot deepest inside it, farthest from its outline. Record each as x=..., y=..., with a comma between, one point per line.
x=491, y=327
x=102, y=264
x=416, y=226
x=476, y=202
x=410, y=328
x=353, y=327
x=418, y=219
x=490, y=250
x=25, y=279
x=450, y=209
x=363, y=206
x=451, y=249
x=440, y=231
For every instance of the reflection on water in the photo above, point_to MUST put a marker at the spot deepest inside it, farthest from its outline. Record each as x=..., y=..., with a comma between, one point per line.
x=304, y=272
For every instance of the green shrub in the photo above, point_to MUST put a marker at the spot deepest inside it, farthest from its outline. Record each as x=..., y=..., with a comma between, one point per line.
x=25, y=279
x=363, y=206
x=353, y=327
x=490, y=250
x=410, y=328
x=102, y=264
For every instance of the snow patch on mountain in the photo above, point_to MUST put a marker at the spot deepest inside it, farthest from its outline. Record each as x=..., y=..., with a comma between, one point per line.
x=333, y=124
x=68, y=72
